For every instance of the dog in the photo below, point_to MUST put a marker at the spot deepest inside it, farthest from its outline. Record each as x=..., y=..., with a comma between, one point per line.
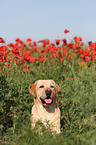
x=45, y=107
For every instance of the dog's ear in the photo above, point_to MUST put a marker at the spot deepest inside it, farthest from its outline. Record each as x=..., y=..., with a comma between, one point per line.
x=32, y=89
x=57, y=89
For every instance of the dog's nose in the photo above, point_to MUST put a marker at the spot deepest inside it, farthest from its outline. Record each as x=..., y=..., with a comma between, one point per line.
x=48, y=92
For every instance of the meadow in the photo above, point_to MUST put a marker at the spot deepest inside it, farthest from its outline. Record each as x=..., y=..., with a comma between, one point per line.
x=72, y=65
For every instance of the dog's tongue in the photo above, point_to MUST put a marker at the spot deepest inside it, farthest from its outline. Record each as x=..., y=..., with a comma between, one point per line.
x=48, y=101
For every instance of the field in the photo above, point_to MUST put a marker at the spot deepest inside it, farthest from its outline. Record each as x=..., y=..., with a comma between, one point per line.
x=72, y=65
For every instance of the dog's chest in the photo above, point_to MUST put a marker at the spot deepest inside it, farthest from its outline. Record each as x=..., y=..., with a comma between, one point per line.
x=43, y=114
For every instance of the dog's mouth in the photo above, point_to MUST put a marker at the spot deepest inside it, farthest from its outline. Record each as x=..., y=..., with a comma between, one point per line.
x=47, y=101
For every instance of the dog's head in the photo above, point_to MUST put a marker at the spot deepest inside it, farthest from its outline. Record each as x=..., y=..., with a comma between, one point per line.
x=45, y=91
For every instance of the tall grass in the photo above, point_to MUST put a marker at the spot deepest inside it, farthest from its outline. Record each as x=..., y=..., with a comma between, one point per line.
x=76, y=99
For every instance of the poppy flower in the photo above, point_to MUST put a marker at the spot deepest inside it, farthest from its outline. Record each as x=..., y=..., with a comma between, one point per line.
x=47, y=55
x=30, y=44
x=25, y=69
x=81, y=43
x=27, y=57
x=30, y=59
x=47, y=41
x=62, y=59
x=7, y=65
x=43, y=59
x=43, y=50
x=66, y=31
x=76, y=39
x=1, y=40
x=2, y=49
x=15, y=50
x=90, y=43
x=34, y=43
x=28, y=40
x=57, y=41
x=40, y=41
x=36, y=59
x=64, y=40
x=54, y=55
x=70, y=79
x=10, y=45
x=87, y=58
x=17, y=40
x=44, y=44
x=80, y=39
x=52, y=44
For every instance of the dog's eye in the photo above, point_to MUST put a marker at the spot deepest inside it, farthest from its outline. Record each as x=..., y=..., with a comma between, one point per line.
x=51, y=86
x=41, y=86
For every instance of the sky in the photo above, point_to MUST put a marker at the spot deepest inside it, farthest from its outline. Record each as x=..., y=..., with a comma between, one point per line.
x=47, y=19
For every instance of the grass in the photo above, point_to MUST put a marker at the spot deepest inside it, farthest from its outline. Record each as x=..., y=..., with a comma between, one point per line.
x=76, y=99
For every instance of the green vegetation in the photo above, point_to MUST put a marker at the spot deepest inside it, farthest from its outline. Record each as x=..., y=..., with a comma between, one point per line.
x=76, y=99
x=77, y=102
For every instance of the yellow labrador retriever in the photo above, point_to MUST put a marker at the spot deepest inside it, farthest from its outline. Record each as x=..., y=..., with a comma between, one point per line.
x=45, y=94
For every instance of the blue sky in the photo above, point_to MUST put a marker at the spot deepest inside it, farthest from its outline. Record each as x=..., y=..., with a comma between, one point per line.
x=40, y=19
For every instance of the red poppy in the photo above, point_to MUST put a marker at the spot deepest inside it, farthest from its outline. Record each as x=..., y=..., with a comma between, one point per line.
x=47, y=41
x=28, y=40
x=57, y=41
x=17, y=40
x=47, y=55
x=87, y=58
x=34, y=43
x=1, y=40
x=30, y=44
x=74, y=46
x=54, y=49
x=44, y=44
x=61, y=59
x=25, y=69
x=43, y=50
x=52, y=44
x=80, y=39
x=27, y=57
x=64, y=70
x=2, y=49
x=66, y=31
x=90, y=42
x=54, y=55
x=15, y=50
x=70, y=79
x=43, y=59
x=20, y=48
x=7, y=65
x=30, y=59
x=40, y=41
x=64, y=40
x=36, y=59
x=22, y=44
x=81, y=43
x=75, y=39
x=10, y=45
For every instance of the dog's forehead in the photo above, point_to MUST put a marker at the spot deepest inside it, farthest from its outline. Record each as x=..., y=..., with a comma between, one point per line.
x=45, y=82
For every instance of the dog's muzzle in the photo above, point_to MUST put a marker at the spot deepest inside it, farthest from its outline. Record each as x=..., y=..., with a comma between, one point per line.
x=48, y=100
x=48, y=92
